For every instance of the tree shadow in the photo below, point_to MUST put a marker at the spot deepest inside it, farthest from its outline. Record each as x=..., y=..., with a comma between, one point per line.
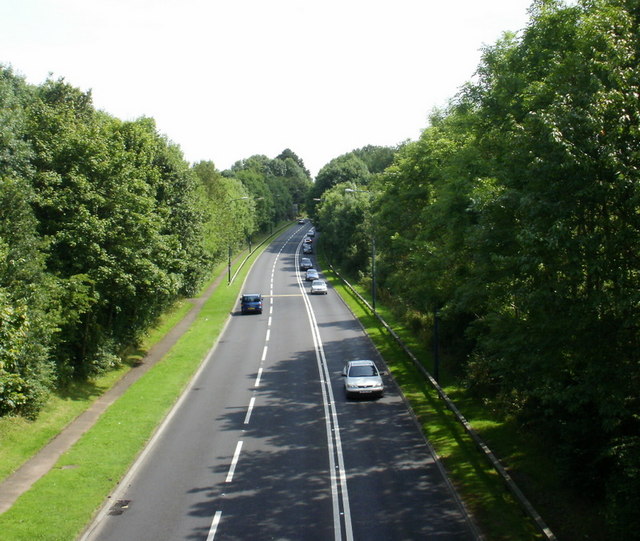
x=281, y=488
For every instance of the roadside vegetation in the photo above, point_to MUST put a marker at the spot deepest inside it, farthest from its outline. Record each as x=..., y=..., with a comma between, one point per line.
x=514, y=220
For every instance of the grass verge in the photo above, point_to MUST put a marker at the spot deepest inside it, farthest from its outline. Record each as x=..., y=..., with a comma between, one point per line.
x=60, y=505
x=21, y=439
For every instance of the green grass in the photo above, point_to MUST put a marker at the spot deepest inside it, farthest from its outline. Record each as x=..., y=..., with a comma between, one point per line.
x=20, y=438
x=60, y=505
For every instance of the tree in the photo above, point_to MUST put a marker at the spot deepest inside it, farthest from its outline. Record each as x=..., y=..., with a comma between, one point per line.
x=288, y=154
x=228, y=218
x=120, y=208
x=558, y=116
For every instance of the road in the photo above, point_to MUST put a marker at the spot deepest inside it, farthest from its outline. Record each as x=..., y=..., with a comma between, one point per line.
x=265, y=445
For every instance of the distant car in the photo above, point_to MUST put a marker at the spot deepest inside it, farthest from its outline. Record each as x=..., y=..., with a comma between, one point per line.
x=312, y=274
x=251, y=303
x=311, y=232
x=307, y=249
x=301, y=221
x=308, y=240
x=318, y=287
x=362, y=378
x=305, y=263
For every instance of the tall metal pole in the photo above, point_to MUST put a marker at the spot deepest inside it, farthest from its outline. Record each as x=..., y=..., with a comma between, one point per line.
x=229, y=267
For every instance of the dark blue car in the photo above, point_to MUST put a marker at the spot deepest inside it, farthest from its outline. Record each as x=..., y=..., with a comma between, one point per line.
x=251, y=303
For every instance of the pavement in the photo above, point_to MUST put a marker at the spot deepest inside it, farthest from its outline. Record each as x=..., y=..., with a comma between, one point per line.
x=32, y=470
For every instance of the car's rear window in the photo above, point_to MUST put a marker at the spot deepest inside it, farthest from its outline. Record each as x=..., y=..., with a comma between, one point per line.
x=362, y=371
x=251, y=298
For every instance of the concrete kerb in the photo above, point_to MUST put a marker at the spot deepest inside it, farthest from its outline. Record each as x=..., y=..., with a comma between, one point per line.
x=489, y=455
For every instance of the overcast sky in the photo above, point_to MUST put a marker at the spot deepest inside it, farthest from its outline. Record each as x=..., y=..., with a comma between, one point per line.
x=227, y=80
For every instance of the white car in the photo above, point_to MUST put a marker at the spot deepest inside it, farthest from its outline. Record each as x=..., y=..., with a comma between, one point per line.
x=312, y=274
x=318, y=287
x=362, y=378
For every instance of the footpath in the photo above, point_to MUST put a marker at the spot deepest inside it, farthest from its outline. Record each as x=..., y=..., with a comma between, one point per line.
x=32, y=470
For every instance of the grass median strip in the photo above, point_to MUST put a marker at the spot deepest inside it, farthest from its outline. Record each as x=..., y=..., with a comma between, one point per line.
x=59, y=506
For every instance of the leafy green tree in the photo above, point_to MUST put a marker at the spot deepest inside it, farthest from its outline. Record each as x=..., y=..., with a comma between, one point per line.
x=557, y=113
x=376, y=158
x=288, y=154
x=28, y=314
x=344, y=169
x=228, y=213
x=277, y=186
x=27, y=306
x=119, y=205
x=287, y=174
x=346, y=228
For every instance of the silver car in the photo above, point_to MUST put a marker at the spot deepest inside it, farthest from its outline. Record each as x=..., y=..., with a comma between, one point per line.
x=312, y=274
x=362, y=378
x=318, y=287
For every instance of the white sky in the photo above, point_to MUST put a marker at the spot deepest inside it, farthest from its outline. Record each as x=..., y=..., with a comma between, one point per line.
x=227, y=80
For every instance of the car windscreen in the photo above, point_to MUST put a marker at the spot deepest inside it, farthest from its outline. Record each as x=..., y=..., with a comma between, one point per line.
x=251, y=298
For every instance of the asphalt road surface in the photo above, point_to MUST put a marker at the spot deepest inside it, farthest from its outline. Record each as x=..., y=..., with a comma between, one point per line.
x=264, y=444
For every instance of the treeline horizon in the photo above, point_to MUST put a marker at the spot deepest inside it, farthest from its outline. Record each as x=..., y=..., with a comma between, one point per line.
x=516, y=217
x=103, y=226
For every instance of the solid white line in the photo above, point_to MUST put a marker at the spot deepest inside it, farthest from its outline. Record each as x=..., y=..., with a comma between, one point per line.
x=249, y=410
x=234, y=462
x=338, y=476
x=257, y=384
x=214, y=525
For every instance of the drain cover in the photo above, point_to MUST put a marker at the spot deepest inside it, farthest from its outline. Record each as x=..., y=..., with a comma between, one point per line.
x=119, y=507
